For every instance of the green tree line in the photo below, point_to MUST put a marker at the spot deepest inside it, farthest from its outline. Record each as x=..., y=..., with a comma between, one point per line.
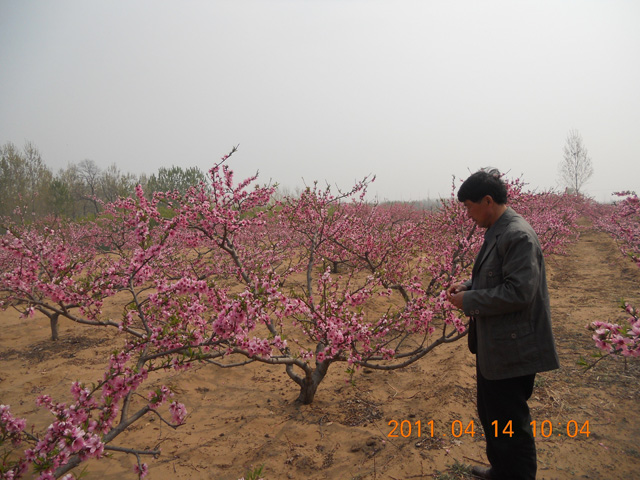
x=27, y=184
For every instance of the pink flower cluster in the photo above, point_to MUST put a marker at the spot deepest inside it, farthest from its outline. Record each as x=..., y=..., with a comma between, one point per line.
x=72, y=433
x=178, y=413
x=617, y=339
x=11, y=429
x=622, y=222
x=159, y=396
x=141, y=469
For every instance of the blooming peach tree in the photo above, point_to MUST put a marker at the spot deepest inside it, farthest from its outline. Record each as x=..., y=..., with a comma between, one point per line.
x=42, y=263
x=622, y=222
x=225, y=275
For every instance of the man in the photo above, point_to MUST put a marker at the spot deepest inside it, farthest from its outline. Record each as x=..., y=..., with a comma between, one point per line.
x=510, y=326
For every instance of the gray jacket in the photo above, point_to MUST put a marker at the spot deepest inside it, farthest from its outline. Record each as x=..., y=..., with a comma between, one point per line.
x=509, y=301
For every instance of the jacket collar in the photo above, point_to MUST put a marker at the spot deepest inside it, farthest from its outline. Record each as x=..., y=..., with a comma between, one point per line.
x=493, y=232
x=498, y=227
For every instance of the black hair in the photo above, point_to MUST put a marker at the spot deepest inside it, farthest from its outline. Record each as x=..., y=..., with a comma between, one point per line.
x=484, y=182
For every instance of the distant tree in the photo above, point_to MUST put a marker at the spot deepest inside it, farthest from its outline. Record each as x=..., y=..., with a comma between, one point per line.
x=575, y=168
x=90, y=174
x=24, y=180
x=61, y=199
x=281, y=192
x=175, y=179
x=114, y=184
x=69, y=192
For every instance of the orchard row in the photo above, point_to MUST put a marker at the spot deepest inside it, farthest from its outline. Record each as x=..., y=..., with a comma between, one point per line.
x=226, y=275
x=622, y=222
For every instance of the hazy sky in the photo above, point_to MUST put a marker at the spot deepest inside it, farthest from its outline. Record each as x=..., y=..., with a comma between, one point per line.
x=330, y=90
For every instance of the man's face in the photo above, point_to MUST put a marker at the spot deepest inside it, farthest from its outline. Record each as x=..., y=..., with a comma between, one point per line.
x=479, y=212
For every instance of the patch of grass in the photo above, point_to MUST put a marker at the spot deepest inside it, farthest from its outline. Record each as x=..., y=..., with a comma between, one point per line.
x=632, y=452
x=255, y=474
x=456, y=471
x=540, y=381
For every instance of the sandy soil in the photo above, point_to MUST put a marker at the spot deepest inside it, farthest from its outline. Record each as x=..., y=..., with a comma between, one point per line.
x=243, y=418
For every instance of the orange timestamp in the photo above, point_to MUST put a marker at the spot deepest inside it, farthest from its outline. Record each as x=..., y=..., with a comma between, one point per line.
x=457, y=429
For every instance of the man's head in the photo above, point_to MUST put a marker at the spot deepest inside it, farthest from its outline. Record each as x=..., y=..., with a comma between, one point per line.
x=484, y=182
x=484, y=194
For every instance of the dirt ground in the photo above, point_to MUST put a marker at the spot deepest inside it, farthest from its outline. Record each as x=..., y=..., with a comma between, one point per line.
x=241, y=419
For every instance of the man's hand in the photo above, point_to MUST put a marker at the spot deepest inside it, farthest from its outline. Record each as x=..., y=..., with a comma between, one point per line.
x=455, y=294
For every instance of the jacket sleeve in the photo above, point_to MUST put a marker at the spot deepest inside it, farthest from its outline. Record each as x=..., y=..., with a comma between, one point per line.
x=509, y=278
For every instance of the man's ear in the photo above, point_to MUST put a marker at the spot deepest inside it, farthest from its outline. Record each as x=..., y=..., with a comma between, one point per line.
x=488, y=199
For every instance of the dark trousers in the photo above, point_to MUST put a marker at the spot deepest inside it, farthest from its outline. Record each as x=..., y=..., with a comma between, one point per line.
x=512, y=452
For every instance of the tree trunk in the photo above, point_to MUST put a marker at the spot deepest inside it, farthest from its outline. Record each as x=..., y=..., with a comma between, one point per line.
x=53, y=320
x=307, y=392
x=310, y=383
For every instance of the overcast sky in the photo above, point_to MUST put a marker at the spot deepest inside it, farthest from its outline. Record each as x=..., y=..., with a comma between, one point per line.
x=330, y=90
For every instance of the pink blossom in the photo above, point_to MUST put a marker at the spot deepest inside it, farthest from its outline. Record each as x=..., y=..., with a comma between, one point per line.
x=178, y=413
x=142, y=470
